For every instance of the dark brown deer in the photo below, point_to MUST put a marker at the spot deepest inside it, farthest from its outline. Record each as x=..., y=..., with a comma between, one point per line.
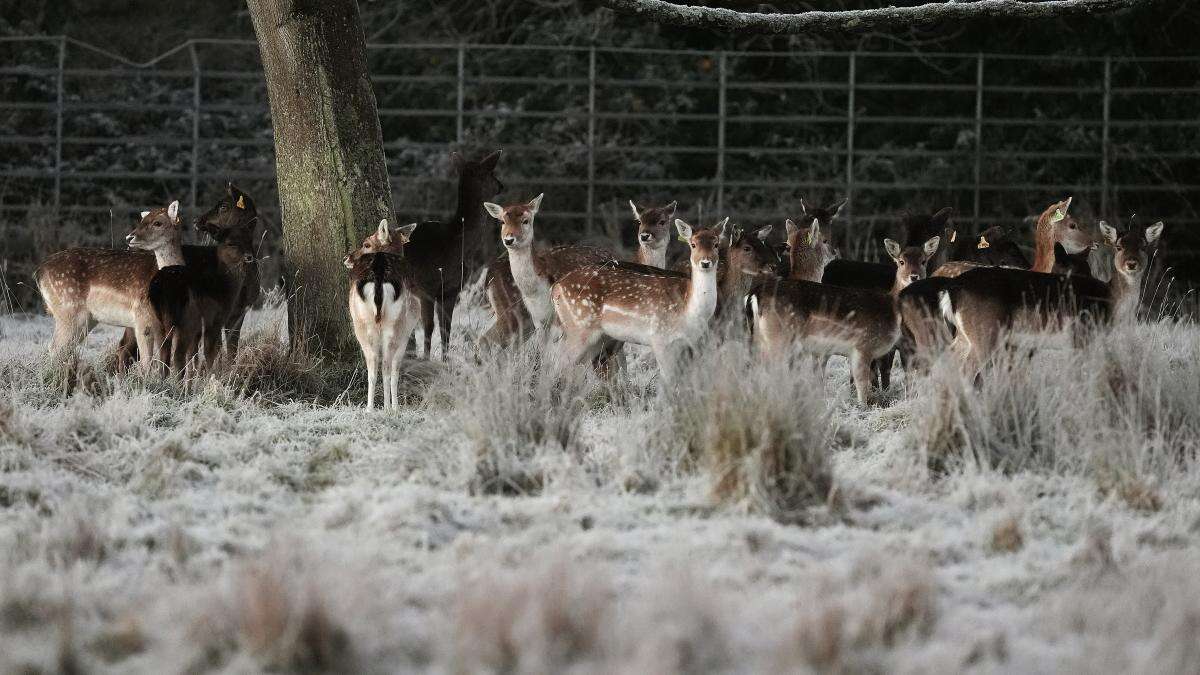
x=608, y=303
x=987, y=304
x=385, y=307
x=443, y=255
x=653, y=233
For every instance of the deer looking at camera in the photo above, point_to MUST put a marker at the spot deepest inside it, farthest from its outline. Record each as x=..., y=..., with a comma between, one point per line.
x=985, y=305
x=603, y=303
x=535, y=270
x=385, y=306
x=653, y=233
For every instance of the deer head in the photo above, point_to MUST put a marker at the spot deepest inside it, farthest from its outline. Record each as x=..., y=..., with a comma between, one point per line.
x=159, y=228
x=383, y=240
x=750, y=253
x=516, y=222
x=825, y=215
x=705, y=245
x=1060, y=227
x=654, y=225
x=478, y=177
x=910, y=261
x=233, y=213
x=1132, y=250
x=808, y=250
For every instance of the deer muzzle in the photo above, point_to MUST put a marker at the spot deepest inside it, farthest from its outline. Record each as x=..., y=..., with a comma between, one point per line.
x=645, y=237
x=509, y=240
x=705, y=264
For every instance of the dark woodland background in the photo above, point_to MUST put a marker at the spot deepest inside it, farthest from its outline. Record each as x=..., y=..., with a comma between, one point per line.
x=142, y=29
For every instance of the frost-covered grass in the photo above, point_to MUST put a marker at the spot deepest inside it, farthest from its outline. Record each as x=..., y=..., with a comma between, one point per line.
x=516, y=517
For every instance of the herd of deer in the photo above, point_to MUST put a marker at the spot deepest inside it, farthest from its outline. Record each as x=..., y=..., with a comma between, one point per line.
x=183, y=306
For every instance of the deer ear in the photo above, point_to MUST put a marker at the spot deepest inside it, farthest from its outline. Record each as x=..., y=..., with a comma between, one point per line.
x=764, y=232
x=790, y=227
x=671, y=208
x=383, y=233
x=144, y=214
x=636, y=216
x=684, y=230
x=536, y=203
x=346, y=261
x=1109, y=232
x=1154, y=232
x=837, y=209
x=931, y=246
x=942, y=215
x=457, y=161
x=173, y=210
x=814, y=233
x=406, y=232
x=489, y=162
x=721, y=226
x=495, y=210
x=892, y=248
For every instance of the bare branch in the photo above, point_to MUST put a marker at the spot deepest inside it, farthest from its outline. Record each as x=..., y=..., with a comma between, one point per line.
x=890, y=18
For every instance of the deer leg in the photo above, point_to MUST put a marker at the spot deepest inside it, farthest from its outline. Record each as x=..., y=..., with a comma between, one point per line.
x=860, y=368
x=886, y=362
x=445, y=317
x=427, y=307
x=610, y=359
x=665, y=357
x=69, y=331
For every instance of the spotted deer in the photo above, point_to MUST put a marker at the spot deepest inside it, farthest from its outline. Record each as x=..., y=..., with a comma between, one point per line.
x=862, y=325
x=664, y=311
x=653, y=234
x=385, y=307
x=986, y=305
x=535, y=270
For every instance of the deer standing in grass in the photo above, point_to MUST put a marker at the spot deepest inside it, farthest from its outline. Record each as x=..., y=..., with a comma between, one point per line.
x=860, y=324
x=606, y=303
x=988, y=304
x=179, y=313
x=385, y=307
x=535, y=270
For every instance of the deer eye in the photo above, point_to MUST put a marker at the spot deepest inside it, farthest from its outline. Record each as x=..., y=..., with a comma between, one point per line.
x=1071, y=225
x=223, y=207
x=693, y=245
x=746, y=249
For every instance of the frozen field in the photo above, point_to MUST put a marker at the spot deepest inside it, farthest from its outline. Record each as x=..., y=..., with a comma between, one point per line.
x=505, y=520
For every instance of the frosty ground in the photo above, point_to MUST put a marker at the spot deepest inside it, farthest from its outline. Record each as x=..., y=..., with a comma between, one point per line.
x=504, y=520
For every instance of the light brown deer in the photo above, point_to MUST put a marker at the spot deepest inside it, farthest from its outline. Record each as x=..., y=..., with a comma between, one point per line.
x=986, y=305
x=385, y=307
x=535, y=270
x=85, y=286
x=180, y=313
x=1057, y=226
x=654, y=233
x=808, y=250
x=604, y=303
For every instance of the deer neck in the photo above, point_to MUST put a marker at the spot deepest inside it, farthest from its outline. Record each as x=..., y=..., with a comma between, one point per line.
x=1124, y=295
x=169, y=254
x=1043, y=249
x=534, y=287
x=655, y=257
x=701, y=299
x=469, y=211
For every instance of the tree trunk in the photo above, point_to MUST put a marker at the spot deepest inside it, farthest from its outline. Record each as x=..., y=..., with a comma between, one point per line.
x=333, y=182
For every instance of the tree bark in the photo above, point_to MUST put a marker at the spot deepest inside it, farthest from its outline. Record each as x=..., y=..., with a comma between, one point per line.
x=333, y=181
x=884, y=18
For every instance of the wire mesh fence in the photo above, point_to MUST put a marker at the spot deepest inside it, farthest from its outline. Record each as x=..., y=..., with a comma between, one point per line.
x=90, y=136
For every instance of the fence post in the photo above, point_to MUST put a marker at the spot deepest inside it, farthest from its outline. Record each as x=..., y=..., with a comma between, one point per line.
x=978, y=132
x=462, y=57
x=591, y=139
x=721, y=74
x=195, y=121
x=851, y=78
x=58, y=124
x=1104, y=143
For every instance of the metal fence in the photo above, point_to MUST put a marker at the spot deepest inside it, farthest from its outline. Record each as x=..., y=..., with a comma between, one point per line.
x=885, y=129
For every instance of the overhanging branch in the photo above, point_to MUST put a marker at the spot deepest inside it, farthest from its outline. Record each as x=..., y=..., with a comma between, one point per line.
x=733, y=21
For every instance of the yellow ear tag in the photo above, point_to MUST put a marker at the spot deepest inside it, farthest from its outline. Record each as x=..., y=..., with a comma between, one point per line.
x=983, y=243
x=1058, y=215
x=682, y=238
x=812, y=237
x=241, y=203
x=953, y=235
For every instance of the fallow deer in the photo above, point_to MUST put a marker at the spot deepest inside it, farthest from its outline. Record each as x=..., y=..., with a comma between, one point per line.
x=995, y=247
x=535, y=270
x=987, y=304
x=512, y=320
x=1057, y=226
x=179, y=315
x=611, y=302
x=385, y=307
x=444, y=254
x=226, y=274
x=653, y=233
x=808, y=250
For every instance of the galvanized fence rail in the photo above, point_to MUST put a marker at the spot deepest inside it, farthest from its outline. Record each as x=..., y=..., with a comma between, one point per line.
x=734, y=130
